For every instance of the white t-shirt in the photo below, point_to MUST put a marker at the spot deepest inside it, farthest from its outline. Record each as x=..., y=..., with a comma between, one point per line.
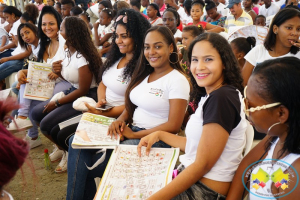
x=115, y=84
x=70, y=69
x=152, y=99
x=18, y=50
x=259, y=54
x=279, y=3
x=222, y=106
x=108, y=29
x=272, y=10
x=183, y=16
x=14, y=29
x=4, y=24
x=178, y=34
x=156, y=21
x=35, y=50
x=60, y=53
x=221, y=8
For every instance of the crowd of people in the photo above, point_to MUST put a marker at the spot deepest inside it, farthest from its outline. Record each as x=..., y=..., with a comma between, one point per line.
x=163, y=66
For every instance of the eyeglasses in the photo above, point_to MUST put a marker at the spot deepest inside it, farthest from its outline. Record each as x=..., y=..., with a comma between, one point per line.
x=247, y=110
x=124, y=18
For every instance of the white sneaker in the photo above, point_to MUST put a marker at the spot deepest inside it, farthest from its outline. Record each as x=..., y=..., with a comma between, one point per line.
x=33, y=143
x=56, y=155
x=63, y=165
x=19, y=124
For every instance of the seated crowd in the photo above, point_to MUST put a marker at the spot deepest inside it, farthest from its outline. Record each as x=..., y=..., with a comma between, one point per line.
x=211, y=82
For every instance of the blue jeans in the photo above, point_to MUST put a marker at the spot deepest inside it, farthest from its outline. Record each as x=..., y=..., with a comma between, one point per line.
x=81, y=183
x=9, y=67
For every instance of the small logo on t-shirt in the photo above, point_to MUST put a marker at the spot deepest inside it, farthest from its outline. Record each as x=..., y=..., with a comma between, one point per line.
x=157, y=92
x=122, y=79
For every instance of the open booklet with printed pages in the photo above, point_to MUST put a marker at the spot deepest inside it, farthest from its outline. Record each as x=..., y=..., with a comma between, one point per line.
x=91, y=133
x=128, y=176
x=39, y=86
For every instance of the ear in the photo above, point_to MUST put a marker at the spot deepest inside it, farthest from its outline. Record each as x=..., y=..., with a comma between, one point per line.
x=275, y=29
x=283, y=114
x=240, y=55
x=171, y=48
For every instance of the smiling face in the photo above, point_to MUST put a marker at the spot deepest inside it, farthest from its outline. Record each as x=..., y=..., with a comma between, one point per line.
x=27, y=35
x=196, y=12
x=206, y=66
x=156, y=50
x=49, y=26
x=288, y=32
x=123, y=40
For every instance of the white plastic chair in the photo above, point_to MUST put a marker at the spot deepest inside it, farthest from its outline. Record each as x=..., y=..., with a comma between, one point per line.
x=249, y=138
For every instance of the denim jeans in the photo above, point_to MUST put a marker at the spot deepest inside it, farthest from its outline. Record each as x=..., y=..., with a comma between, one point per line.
x=9, y=67
x=81, y=184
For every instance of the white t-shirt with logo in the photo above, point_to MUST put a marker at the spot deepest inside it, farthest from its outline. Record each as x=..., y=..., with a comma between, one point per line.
x=70, y=69
x=115, y=84
x=259, y=54
x=152, y=99
x=272, y=10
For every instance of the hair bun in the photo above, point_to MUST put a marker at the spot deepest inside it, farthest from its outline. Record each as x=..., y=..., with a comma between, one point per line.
x=251, y=41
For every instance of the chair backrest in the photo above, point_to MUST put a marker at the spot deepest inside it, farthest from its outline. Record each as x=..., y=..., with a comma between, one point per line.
x=249, y=138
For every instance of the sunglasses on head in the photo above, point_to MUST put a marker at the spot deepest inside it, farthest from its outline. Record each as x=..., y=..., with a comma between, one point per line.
x=124, y=17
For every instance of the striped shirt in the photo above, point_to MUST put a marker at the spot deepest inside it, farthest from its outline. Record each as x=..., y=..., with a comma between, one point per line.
x=244, y=20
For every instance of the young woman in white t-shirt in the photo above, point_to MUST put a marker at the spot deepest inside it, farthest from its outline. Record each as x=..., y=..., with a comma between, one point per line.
x=284, y=32
x=272, y=106
x=215, y=134
x=80, y=68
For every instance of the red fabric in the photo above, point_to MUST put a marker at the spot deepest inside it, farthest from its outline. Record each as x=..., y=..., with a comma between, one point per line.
x=180, y=27
x=203, y=24
x=145, y=16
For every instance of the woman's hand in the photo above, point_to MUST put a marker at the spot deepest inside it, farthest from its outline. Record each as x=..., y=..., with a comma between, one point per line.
x=52, y=76
x=57, y=66
x=22, y=77
x=101, y=103
x=2, y=49
x=3, y=60
x=148, y=141
x=96, y=25
x=296, y=43
x=49, y=107
x=18, y=85
x=116, y=128
x=92, y=109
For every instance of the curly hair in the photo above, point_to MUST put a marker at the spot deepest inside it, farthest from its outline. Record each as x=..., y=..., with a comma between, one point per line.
x=78, y=35
x=31, y=13
x=232, y=73
x=32, y=27
x=44, y=40
x=143, y=68
x=136, y=27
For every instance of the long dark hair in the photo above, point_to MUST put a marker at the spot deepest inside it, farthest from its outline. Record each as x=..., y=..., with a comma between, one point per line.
x=78, y=36
x=281, y=17
x=136, y=27
x=44, y=40
x=12, y=10
x=278, y=81
x=32, y=27
x=231, y=73
x=143, y=68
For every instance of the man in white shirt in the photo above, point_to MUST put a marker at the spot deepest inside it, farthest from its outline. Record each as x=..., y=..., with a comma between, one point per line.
x=268, y=9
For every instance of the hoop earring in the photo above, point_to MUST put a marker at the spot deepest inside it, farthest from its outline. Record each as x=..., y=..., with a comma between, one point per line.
x=177, y=58
x=272, y=127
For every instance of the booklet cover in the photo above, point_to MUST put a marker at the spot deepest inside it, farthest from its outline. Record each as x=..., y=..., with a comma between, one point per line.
x=91, y=133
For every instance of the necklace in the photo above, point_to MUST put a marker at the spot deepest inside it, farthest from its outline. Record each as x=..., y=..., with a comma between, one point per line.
x=2, y=194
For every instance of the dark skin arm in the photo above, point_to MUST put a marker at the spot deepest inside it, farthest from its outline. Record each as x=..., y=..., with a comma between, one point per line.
x=85, y=80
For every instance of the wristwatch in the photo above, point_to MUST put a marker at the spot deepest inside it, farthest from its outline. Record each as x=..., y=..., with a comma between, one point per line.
x=57, y=104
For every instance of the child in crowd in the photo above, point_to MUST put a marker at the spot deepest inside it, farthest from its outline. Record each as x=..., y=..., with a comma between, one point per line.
x=66, y=7
x=28, y=39
x=50, y=2
x=154, y=14
x=57, y=7
x=30, y=15
x=171, y=20
x=80, y=68
x=214, y=142
x=189, y=33
x=104, y=37
x=39, y=4
x=197, y=12
x=260, y=20
x=272, y=105
x=12, y=15
x=240, y=47
x=75, y=11
x=281, y=41
x=213, y=16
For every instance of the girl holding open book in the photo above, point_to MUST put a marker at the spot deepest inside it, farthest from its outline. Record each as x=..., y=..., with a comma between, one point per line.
x=80, y=68
x=156, y=99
